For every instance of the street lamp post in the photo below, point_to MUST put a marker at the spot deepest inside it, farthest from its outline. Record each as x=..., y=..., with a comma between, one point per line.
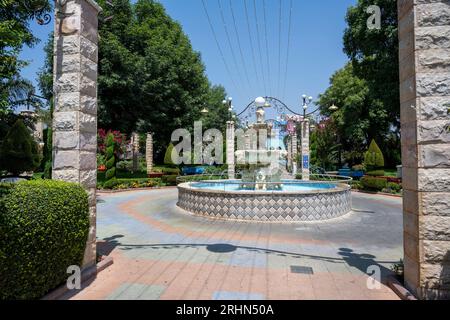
x=305, y=139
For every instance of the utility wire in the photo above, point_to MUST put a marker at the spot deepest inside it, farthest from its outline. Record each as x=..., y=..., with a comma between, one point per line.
x=288, y=47
x=239, y=44
x=218, y=46
x=259, y=47
x=267, y=48
x=251, y=41
x=280, y=18
x=229, y=40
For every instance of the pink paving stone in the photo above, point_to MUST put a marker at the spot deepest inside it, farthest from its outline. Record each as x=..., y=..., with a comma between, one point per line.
x=186, y=278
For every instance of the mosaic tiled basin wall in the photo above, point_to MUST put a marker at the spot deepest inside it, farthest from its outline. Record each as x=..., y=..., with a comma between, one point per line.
x=266, y=206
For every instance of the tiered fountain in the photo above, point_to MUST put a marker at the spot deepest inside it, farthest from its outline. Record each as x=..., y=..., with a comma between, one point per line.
x=261, y=194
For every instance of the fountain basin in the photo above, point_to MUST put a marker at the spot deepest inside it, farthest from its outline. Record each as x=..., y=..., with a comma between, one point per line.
x=297, y=201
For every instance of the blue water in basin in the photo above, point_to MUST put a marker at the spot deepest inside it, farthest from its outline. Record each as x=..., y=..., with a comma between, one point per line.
x=287, y=186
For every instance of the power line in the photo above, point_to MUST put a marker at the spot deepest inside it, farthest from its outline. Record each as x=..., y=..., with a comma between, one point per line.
x=259, y=47
x=288, y=47
x=229, y=40
x=218, y=46
x=251, y=40
x=280, y=18
x=267, y=47
x=239, y=44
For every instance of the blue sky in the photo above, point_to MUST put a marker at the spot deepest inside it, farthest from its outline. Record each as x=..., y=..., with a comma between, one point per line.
x=315, y=45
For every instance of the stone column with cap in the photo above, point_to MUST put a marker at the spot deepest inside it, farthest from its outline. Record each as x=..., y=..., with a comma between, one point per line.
x=149, y=153
x=305, y=150
x=294, y=153
x=230, y=134
x=75, y=94
x=424, y=34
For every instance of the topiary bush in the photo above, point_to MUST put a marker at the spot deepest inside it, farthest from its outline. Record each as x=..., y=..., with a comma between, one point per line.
x=44, y=226
x=110, y=174
x=19, y=151
x=168, y=155
x=373, y=183
x=373, y=158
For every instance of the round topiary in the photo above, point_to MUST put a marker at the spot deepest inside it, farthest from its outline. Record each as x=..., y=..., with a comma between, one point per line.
x=168, y=155
x=44, y=226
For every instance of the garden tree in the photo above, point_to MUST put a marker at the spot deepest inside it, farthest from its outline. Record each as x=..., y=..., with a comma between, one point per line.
x=358, y=120
x=19, y=151
x=324, y=147
x=373, y=158
x=14, y=34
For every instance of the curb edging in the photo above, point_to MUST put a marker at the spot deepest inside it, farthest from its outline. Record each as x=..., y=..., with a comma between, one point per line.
x=400, y=290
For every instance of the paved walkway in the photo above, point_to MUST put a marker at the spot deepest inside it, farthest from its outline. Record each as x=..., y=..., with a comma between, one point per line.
x=161, y=252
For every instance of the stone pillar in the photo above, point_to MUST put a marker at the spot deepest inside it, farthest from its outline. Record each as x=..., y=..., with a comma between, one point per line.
x=305, y=150
x=289, y=153
x=424, y=34
x=75, y=94
x=230, y=150
x=135, y=150
x=149, y=153
x=294, y=153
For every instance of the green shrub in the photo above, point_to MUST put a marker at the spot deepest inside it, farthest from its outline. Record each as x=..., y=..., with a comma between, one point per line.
x=373, y=183
x=169, y=180
x=19, y=151
x=394, y=187
x=373, y=158
x=110, y=175
x=375, y=173
x=44, y=226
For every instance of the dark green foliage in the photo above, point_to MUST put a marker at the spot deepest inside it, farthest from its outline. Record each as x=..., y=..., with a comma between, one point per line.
x=169, y=180
x=19, y=151
x=373, y=158
x=373, y=183
x=110, y=163
x=44, y=226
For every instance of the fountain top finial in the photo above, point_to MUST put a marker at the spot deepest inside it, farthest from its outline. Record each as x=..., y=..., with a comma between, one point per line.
x=260, y=102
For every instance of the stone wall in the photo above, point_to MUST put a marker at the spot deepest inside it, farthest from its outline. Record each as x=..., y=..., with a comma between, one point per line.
x=424, y=32
x=75, y=113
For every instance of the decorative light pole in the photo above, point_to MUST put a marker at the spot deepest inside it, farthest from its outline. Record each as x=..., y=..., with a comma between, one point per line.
x=305, y=138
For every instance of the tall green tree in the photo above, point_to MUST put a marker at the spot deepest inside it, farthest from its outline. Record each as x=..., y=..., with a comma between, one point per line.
x=374, y=53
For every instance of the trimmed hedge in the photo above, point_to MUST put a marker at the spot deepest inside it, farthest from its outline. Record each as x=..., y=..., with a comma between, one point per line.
x=44, y=226
x=372, y=183
x=376, y=173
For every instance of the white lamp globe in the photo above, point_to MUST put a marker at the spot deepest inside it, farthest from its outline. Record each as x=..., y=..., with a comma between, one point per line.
x=260, y=102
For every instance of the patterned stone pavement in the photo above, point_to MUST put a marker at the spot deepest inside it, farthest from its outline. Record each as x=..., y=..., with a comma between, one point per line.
x=162, y=252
